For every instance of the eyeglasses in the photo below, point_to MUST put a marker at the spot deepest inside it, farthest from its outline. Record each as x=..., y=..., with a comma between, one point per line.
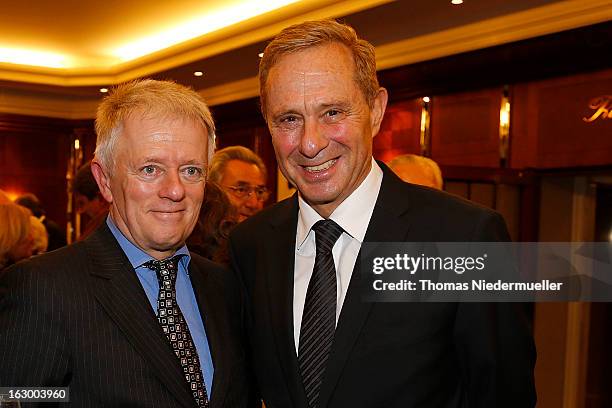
x=245, y=191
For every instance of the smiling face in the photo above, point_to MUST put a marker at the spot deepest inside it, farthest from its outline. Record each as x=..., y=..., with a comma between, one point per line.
x=321, y=124
x=157, y=186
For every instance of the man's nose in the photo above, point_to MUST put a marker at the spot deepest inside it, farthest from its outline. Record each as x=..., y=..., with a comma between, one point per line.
x=251, y=201
x=313, y=139
x=172, y=186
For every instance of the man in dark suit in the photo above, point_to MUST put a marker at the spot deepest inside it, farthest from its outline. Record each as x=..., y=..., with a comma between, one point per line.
x=314, y=342
x=128, y=317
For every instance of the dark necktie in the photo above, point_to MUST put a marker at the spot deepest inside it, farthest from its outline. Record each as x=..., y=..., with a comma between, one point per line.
x=319, y=318
x=175, y=327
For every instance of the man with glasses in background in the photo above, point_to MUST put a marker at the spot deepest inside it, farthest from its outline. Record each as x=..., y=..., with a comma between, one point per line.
x=242, y=175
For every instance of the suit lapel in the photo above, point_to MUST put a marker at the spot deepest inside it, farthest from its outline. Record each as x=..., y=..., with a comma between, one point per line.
x=213, y=315
x=279, y=267
x=117, y=288
x=389, y=223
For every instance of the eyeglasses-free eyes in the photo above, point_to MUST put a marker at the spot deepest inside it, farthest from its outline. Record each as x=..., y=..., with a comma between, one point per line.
x=245, y=191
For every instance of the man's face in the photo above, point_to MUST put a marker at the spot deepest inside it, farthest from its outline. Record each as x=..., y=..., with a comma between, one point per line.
x=157, y=185
x=237, y=177
x=321, y=124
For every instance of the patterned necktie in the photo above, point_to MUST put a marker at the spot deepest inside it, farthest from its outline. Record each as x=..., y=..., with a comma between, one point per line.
x=175, y=327
x=319, y=318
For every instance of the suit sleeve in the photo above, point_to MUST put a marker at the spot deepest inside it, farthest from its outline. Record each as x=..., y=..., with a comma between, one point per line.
x=33, y=342
x=494, y=342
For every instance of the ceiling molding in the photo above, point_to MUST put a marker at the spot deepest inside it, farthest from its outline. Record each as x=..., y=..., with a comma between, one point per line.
x=248, y=32
x=496, y=31
x=48, y=105
x=233, y=91
x=488, y=33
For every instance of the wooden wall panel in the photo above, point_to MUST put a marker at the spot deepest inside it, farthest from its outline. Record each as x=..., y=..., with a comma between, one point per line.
x=465, y=128
x=549, y=129
x=34, y=153
x=400, y=131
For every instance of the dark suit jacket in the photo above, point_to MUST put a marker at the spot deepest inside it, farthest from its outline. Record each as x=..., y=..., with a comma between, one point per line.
x=387, y=354
x=79, y=317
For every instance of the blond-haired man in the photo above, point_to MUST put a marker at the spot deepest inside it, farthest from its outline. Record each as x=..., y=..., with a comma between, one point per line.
x=128, y=317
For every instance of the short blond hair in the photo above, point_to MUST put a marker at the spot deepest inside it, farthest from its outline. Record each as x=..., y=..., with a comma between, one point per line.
x=14, y=228
x=310, y=34
x=150, y=97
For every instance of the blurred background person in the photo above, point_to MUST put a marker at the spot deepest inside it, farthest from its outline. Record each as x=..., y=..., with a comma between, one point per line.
x=217, y=218
x=40, y=238
x=242, y=175
x=16, y=242
x=417, y=170
x=89, y=200
x=57, y=237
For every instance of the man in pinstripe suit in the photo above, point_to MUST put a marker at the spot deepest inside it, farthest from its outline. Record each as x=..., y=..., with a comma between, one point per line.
x=86, y=316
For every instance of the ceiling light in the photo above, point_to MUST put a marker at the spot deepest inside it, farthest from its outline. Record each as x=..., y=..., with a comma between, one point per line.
x=260, y=55
x=103, y=90
x=199, y=25
x=457, y=2
x=33, y=58
x=426, y=99
x=198, y=73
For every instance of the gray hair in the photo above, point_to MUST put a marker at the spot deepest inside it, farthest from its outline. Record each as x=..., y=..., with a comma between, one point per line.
x=223, y=156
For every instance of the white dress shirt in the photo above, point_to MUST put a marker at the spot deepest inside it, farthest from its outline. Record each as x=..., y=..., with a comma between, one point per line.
x=353, y=215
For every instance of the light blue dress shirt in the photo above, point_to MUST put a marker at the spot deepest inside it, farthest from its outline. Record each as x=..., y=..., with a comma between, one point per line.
x=185, y=296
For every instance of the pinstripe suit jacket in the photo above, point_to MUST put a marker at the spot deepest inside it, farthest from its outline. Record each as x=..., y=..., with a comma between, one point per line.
x=78, y=317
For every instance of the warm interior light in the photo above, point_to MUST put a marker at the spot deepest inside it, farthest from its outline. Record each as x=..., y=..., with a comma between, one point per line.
x=198, y=73
x=12, y=194
x=77, y=144
x=260, y=55
x=34, y=58
x=198, y=26
x=426, y=99
x=104, y=90
x=504, y=115
x=456, y=2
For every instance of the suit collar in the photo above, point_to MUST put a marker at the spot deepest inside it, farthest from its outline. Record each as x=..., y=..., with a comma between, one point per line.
x=118, y=290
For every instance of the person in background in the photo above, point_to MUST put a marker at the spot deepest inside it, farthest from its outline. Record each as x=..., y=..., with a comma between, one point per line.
x=315, y=340
x=217, y=218
x=57, y=237
x=39, y=236
x=89, y=200
x=119, y=317
x=242, y=174
x=16, y=242
x=417, y=170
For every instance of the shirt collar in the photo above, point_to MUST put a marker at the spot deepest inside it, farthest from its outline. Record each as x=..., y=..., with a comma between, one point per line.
x=353, y=214
x=137, y=256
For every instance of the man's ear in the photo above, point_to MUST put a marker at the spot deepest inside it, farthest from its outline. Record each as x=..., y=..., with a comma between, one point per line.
x=378, y=110
x=103, y=180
